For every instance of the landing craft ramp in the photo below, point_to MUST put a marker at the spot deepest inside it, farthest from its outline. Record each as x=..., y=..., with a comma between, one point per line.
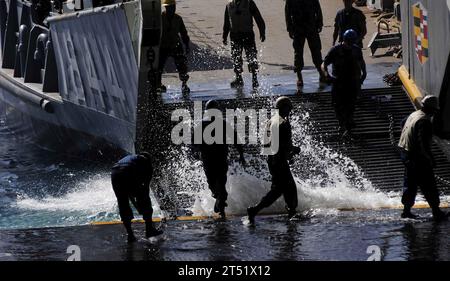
x=378, y=116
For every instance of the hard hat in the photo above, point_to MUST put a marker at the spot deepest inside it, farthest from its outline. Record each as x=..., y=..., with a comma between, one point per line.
x=430, y=102
x=168, y=3
x=283, y=102
x=211, y=104
x=350, y=35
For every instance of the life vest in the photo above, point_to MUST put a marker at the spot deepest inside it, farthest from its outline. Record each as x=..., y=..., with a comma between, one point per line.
x=241, y=18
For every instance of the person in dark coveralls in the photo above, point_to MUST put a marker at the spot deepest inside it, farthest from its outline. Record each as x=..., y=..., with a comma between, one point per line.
x=131, y=178
x=238, y=23
x=283, y=182
x=349, y=73
x=174, y=35
x=214, y=156
x=304, y=22
x=415, y=146
x=349, y=18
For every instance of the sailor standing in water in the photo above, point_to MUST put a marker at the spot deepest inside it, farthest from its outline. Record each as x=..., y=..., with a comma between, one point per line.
x=214, y=154
x=131, y=178
x=283, y=183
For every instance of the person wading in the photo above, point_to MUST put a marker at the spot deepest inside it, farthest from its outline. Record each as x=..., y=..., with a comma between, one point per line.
x=214, y=154
x=130, y=179
x=238, y=23
x=283, y=183
x=415, y=146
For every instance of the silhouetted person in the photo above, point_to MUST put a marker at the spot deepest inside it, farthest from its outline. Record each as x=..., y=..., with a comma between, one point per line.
x=238, y=22
x=349, y=73
x=283, y=183
x=130, y=179
x=350, y=18
x=304, y=22
x=214, y=155
x=415, y=145
x=174, y=35
x=40, y=10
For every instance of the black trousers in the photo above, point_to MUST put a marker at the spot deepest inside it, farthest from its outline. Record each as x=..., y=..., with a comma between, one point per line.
x=283, y=183
x=244, y=42
x=344, y=95
x=126, y=190
x=216, y=175
x=180, y=59
x=418, y=174
x=315, y=45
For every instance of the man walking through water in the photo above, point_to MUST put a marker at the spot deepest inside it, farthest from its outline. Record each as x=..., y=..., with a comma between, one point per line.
x=283, y=183
x=415, y=145
x=214, y=153
x=349, y=73
x=238, y=22
x=131, y=178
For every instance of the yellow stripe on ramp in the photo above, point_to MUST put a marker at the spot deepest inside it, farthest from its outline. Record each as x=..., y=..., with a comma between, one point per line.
x=198, y=218
x=411, y=87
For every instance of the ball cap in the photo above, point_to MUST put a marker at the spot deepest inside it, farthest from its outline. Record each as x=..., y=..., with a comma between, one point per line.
x=282, y=102
x=168, y=2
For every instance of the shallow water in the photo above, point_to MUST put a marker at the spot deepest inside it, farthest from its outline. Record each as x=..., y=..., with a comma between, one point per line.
x=40, y=190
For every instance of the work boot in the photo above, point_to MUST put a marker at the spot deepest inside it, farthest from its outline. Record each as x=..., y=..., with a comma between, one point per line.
x=406, y=214
x=251, y=212
x=255, y=82
x=292, y=213
x=323, y=79
x=185, y=88
x=219, y=206
x=238, y=82
x=439, y=215
x=151, y=231
x=299, y=82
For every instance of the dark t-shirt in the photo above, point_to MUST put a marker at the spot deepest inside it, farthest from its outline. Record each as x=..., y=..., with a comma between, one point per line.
x=351, y=19
x=346, y=62
x=137, y=168
x=303, y=16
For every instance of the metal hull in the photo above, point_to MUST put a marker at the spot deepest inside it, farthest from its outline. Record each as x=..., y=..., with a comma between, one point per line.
x=70, y=128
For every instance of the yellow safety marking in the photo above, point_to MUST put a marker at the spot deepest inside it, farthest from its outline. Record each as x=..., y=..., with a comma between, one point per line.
x=411, y=87
x=199, y=218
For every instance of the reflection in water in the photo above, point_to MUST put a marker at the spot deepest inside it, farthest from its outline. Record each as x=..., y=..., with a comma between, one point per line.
x=428, y=241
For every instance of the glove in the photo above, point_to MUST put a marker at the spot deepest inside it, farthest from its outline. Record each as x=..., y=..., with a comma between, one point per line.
x=319, y=29
x=291, y=35
x=263, y=37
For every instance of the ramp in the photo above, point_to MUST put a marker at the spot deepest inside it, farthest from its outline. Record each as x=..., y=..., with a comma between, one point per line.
x=378, y=116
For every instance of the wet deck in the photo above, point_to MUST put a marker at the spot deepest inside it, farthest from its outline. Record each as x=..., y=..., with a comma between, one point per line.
x=324, y=236
x=270, y=85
